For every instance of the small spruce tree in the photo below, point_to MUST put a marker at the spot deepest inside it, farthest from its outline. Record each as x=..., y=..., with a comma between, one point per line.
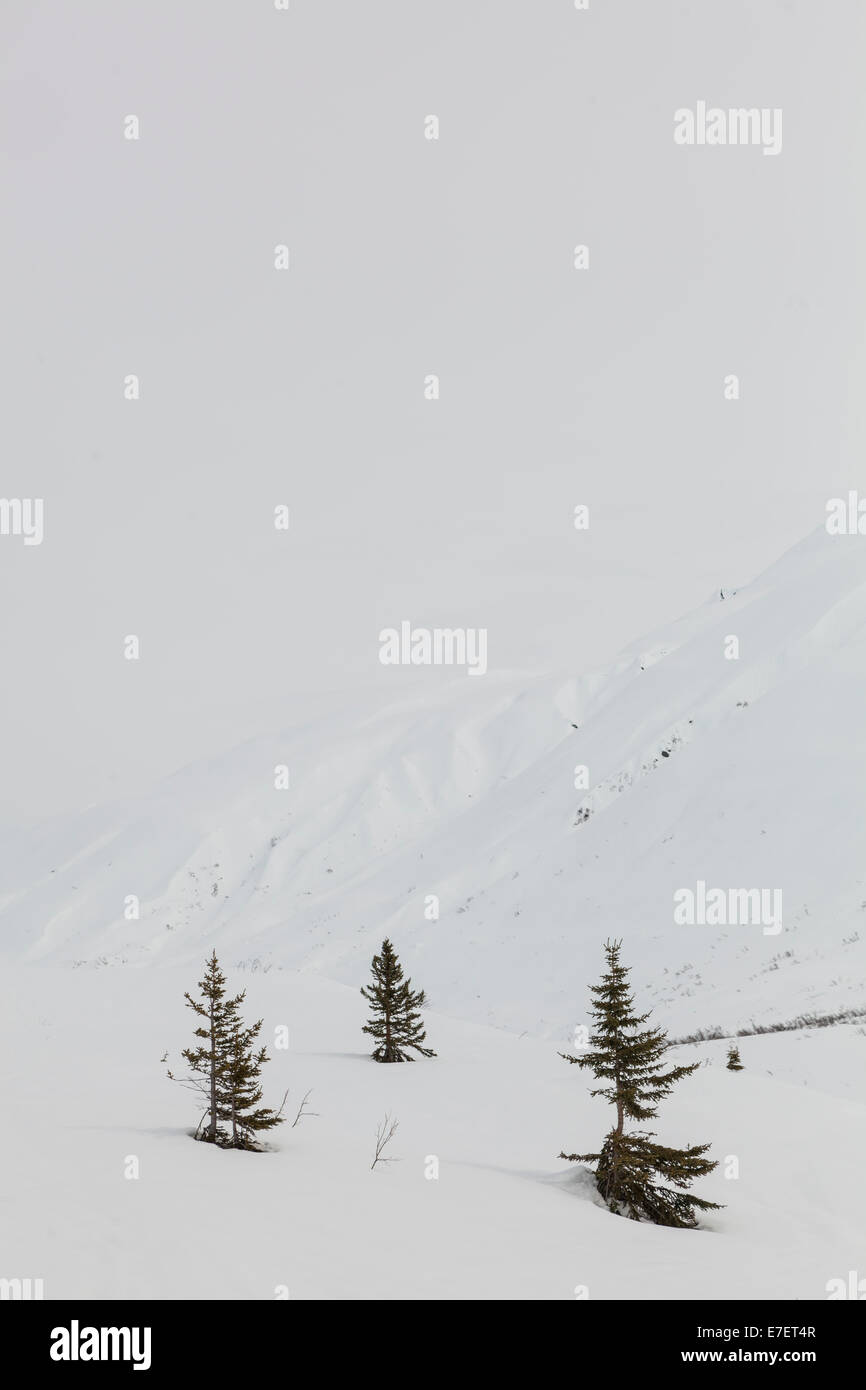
x=734, y=1063
x=626, y=1057
x=208, y=1059
x=396, y=1022
x=248, y=1118
x=224, y=1070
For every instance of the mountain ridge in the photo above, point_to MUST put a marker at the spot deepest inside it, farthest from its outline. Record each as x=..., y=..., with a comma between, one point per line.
x=700, y=768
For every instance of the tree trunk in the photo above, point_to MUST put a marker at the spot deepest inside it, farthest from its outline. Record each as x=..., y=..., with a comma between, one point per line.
x=213, y=1102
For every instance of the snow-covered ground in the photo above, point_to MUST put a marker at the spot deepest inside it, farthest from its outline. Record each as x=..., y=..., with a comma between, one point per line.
x=505, y=1218
x=747, y=773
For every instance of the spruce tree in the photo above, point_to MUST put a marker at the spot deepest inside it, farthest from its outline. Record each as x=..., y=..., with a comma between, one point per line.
x=626, y=1057
x=396, y=1021
x=224, y=1070
x=734, y=1063
x=242, y=1085
x=207, y=1061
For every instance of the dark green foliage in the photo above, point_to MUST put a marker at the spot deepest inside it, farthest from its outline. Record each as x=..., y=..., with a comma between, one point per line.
x=627, y=1058
x=224, y=1067
x=396, y=1021
x=734, y=1063
x=248, y=1117
x=207, y=1060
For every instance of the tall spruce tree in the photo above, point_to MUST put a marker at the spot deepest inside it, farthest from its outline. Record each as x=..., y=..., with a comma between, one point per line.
x=224, y=1070
x=626, y=1057
x=396, y=1021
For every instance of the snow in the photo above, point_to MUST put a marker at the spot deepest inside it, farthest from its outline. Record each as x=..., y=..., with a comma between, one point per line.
x=464, y=790
x=505, y=1218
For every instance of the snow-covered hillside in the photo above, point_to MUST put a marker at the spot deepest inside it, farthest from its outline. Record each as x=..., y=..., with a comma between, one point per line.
x=743, y=773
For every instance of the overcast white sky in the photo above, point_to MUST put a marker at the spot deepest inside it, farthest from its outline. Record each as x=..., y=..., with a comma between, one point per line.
x=408, y=257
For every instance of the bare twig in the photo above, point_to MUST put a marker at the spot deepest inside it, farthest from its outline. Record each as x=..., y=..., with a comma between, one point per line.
x=384, y=1135
x=303, y=1113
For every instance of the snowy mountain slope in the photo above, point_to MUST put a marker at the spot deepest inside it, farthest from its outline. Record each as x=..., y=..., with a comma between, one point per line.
x=747, y=773
x=505, y=1217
